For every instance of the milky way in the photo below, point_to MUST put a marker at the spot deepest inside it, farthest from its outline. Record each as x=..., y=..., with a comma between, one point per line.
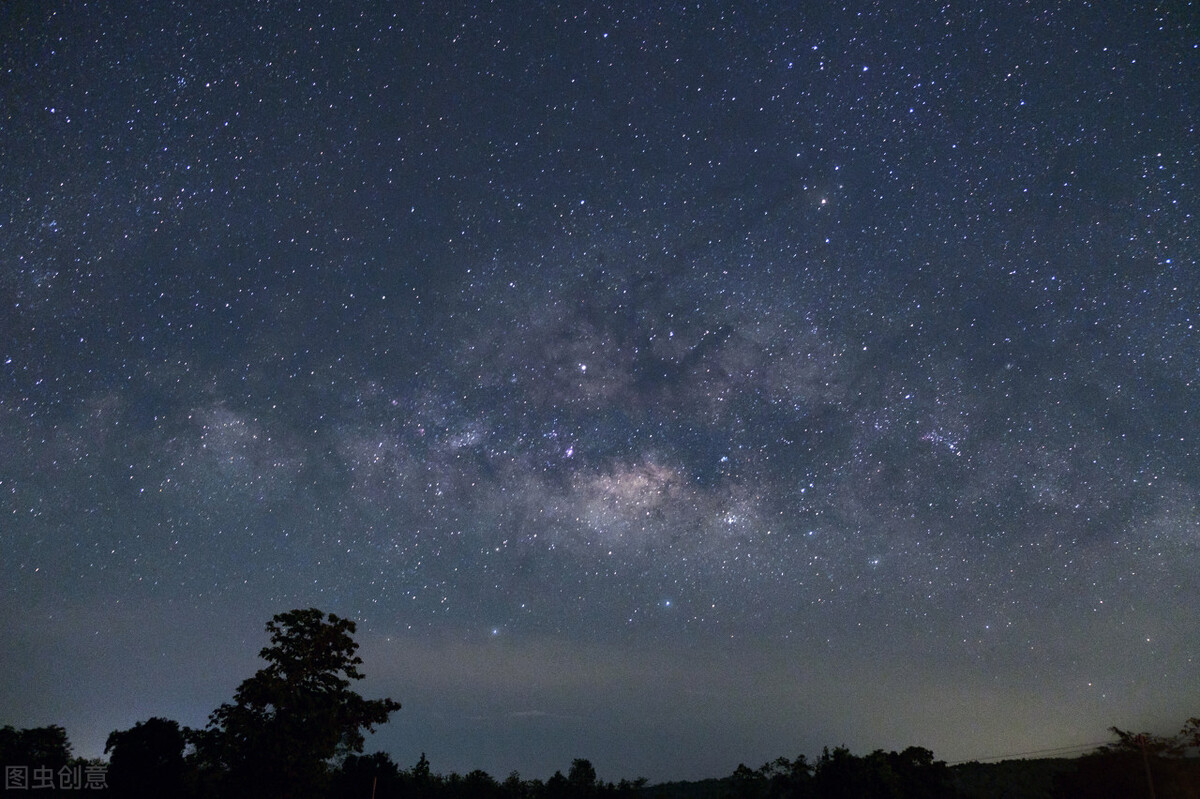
x=747, y=379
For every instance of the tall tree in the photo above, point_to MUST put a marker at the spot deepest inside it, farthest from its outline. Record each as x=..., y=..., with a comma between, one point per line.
x=294, y=716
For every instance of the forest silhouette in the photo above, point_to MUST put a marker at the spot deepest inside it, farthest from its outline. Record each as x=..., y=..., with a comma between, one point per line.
x=296, y=729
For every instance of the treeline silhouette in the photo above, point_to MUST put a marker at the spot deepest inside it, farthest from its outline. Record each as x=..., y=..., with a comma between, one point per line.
x=1138, y=764
x=377, y=773
x=296, y=729
x=39, y=760
x=837, y=773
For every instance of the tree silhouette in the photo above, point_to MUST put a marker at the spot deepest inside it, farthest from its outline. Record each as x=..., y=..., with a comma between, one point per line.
x=1137, y=764
x=36, y=747
x=38, y=757
x=147, y=759
x=582, y=778
x=375, y=775
x=295, y=715
x=1189, y=736
x=787, y=779
x=838, y=774
x=556, y=787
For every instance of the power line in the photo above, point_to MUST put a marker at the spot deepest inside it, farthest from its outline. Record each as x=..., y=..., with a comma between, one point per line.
x=1062, y=750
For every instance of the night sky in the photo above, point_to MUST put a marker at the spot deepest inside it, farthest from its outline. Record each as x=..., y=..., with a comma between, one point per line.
x=670, y=385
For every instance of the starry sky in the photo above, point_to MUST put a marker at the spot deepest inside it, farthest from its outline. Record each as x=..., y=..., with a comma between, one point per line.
x=668, y=384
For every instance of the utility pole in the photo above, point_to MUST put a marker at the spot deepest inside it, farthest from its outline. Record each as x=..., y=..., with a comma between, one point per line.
x=1141, y=739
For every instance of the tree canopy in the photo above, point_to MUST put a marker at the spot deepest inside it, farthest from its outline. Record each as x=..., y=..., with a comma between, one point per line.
x=147, y=759
x=294, y=716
